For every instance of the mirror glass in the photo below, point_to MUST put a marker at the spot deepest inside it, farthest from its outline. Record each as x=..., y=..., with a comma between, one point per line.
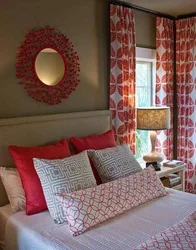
x=49, y=66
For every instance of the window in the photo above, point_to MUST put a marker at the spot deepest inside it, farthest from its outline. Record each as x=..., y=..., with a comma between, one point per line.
x=145, y=83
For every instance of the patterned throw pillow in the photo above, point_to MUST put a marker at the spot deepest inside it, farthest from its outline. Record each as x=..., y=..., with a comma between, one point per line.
x=13, y=186
x=101, y=141
x=63, y=175
x=86, y=208
x=23, y=159
x=113, y=163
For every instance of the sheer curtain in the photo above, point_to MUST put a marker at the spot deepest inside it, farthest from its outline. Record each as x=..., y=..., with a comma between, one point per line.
x=186, y=93
x=164, y=80
x=122, y=74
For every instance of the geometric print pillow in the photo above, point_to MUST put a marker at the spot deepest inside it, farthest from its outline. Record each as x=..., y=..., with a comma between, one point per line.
x=63, y=175
x=113, y=163
x=86, y=208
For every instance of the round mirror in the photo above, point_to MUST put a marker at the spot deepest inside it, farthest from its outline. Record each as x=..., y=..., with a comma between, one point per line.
x=49, y=66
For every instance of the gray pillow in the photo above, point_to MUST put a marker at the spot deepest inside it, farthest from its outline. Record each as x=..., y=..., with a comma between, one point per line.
x=113, y=163
x=63, y=175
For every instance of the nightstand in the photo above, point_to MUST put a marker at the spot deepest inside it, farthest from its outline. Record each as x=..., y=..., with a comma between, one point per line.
x=180, y=169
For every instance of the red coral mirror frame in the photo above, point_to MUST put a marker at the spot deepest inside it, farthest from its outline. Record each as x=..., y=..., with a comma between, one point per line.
x=34, y=43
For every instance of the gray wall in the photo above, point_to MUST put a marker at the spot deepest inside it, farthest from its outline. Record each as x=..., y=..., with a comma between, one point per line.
x=85, y=22
x=145, y=25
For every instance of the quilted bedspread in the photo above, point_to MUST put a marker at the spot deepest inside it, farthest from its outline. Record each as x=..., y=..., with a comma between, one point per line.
x=181, y=235
x=124, y=232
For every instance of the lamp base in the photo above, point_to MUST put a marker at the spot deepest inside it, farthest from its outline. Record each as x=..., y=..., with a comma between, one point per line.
x=156, y=165
x=153, y=157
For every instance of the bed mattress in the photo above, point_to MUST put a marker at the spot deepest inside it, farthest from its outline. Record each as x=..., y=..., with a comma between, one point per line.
x=123, y=232
x=5, y=213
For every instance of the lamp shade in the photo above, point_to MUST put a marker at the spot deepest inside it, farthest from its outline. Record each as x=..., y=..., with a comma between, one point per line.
x=153, y=118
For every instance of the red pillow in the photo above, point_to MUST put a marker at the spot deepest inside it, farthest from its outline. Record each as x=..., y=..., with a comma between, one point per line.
x=23, y=158
x=105, y=140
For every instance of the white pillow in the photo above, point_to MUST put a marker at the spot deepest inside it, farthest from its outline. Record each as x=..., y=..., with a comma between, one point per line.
x=13, y=186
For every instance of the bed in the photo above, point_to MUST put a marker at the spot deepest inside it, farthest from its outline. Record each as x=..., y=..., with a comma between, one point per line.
x=5, y=214
x=126, y=231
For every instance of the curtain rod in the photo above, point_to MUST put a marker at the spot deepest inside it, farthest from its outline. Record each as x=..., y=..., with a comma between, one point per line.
x=193, y=14
x=129, y=5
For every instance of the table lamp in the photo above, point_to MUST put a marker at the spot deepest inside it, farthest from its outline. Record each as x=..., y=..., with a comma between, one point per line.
x=153, y=118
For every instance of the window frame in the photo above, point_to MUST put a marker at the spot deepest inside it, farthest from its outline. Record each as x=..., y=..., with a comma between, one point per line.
x=151, y=80
x=148, y=55
x=145, y=55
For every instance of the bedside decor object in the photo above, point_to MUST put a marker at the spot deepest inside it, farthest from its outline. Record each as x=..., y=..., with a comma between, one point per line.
x=47, y=66
x=173, y=163
x=154, y=164
x=178, y=171
x=153, y=118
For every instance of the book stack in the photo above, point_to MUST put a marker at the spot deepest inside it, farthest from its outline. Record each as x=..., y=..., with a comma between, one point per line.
x=171, y=180
x=173, y=163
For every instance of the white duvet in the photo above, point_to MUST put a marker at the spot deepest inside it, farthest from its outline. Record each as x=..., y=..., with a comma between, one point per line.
x=123, y=232
x=5, y=213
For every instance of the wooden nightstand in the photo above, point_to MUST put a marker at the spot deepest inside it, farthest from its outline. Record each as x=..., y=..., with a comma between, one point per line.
x=178, y=169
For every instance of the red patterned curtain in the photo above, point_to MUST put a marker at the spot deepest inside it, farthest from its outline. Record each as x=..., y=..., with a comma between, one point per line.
x=164, y=80
x=122, y=74
x=186, y=92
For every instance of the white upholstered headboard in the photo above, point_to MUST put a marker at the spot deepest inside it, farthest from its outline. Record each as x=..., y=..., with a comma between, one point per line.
x=47, y=129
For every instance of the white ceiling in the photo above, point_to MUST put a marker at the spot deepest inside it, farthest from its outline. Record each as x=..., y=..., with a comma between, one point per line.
x=171, y=7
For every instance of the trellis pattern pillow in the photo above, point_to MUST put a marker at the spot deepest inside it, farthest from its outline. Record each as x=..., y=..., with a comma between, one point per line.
x=113, y=163
x=63, y=175
x=86, y=208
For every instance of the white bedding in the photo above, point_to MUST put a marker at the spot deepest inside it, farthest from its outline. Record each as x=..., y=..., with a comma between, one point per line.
x=5, y=213
x=123, y=232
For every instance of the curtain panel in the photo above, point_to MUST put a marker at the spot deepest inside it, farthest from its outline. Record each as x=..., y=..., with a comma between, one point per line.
x=122, y=74
x=186, y=97
x=165, y=80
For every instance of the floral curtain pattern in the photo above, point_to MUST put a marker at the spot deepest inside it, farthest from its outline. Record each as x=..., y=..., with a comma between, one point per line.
x=164, y=80
x=122, y=74
x=186, y=96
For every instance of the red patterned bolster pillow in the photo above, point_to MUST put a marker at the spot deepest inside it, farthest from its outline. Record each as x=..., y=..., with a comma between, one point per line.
x=86, y=208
